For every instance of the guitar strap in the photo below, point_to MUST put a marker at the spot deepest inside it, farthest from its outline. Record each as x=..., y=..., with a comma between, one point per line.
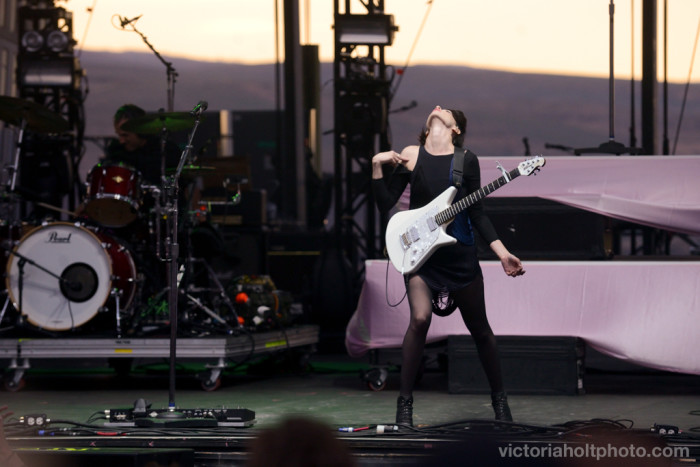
x=458, y=165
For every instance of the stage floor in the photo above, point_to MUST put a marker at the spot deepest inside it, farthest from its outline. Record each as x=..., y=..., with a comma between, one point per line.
x=329, y=387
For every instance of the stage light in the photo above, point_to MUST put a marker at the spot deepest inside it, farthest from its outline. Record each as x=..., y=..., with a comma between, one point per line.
x=32, y=41
x=376, y=29
x=56, y=72
x=57, y=41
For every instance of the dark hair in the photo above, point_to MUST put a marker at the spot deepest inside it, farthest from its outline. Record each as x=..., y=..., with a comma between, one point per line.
x=299, y=441
x=128, y=112
x=457, y=140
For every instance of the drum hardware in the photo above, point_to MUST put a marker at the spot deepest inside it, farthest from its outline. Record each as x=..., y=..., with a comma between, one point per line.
x=207, y=310
x=4, y=307
x=116, y=293
x=190, y=262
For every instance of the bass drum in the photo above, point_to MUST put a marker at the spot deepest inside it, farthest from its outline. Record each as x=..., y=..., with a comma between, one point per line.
x=61, y=275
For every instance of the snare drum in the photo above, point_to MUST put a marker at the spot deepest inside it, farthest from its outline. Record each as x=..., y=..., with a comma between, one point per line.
x=113, y=194
x=63, y=274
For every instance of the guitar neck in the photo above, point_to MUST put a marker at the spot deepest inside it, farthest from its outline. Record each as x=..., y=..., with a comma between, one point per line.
x=446, y=215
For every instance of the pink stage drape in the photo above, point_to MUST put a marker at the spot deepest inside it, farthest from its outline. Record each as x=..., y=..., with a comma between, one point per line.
x=645, y=312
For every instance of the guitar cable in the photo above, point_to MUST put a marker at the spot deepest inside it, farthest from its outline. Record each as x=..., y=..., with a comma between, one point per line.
x=386, y=284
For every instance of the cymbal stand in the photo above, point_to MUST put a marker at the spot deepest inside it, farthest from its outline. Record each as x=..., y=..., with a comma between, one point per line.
x=163, y=139
x=170, y=193
x=15, y=165
x=117, y=294
x=20, y=285
x=4, y=307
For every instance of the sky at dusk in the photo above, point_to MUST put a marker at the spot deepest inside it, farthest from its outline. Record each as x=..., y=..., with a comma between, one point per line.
x=570, y=37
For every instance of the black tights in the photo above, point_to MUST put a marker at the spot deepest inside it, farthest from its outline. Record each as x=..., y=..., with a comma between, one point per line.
x=471, y=305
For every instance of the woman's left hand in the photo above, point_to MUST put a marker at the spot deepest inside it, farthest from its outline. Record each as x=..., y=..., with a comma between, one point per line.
x=512, y=266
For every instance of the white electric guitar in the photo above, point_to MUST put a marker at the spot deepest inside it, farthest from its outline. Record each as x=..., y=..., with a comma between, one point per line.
x=413, y=236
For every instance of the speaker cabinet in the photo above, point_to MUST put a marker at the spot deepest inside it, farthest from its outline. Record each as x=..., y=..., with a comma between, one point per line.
x=291, y=258
x=530, y=365
x=534, y=228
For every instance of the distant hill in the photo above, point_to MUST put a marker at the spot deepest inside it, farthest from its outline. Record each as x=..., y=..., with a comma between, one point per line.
x=502, y=108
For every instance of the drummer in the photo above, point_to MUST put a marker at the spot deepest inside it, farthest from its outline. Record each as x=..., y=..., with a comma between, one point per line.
x=143, y=151
x=140, y=151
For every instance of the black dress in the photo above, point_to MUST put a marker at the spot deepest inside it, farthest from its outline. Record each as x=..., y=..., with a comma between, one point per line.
x=455, y=266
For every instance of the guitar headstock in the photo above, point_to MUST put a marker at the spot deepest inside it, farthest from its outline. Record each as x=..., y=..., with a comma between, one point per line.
x=530, y=166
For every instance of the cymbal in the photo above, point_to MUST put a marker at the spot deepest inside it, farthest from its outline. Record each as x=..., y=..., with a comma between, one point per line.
x=38, y=118
x=153, y=123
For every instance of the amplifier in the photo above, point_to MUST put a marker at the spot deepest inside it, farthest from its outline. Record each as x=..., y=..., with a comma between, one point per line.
x=530, y=365
x=249, y=210
x=291, y=258
x=540, y=229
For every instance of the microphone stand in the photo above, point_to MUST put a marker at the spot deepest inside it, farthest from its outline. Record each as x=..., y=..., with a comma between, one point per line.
x=171, y=73
x=23, y=261
x=611, y=146
x=170, y=191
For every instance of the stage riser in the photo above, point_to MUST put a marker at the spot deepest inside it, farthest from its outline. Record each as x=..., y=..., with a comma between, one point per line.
x=106, y=457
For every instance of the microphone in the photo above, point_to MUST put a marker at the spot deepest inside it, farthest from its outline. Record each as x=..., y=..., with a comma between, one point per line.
x=124, y=21
x=199, y=108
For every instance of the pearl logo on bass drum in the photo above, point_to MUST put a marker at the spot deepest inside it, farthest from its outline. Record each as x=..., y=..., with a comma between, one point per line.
x=54, y=237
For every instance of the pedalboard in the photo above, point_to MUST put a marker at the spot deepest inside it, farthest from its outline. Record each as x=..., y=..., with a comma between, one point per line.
x=192, y=418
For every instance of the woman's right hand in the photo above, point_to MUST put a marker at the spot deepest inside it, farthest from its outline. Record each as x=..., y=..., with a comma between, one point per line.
x=388, y=157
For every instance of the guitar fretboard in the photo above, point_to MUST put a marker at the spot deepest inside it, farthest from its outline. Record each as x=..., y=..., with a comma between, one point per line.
x=448, y=214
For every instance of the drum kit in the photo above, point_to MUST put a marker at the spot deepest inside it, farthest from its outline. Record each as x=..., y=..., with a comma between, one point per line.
x=91, y=272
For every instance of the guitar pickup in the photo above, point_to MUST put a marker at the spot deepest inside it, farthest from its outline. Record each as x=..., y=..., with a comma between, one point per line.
x=405, y=242
x=409, y=237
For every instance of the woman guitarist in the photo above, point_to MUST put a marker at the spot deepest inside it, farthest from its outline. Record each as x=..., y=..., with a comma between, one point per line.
x=451, y=277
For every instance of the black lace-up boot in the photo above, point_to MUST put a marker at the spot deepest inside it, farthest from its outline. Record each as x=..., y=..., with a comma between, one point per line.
x=404, y=411
x=499, y=401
